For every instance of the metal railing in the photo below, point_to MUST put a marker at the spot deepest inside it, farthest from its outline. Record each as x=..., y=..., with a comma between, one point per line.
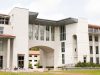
x=91, y=30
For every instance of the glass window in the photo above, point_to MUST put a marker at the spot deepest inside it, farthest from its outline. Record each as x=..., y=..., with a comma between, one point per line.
x=1, y=30
x=62, y=46
x=1, y=45
x=30, y=32
x=96, y=38
x=30, y=60
x=52, y=33
x=63, y=59
x=97, y=60
x=35, y=55
x=90, y=37
x=35, y=32
x=21, y=61
x=35, y=60
x=91, y=50
x=97, y=50
x=41, y=32
x=62, y=33
x=84, y=58
x=91, y=59
x=1, y=62
x=47, y=33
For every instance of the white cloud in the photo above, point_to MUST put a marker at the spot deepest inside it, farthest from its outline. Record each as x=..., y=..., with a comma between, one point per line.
x=93, y=8
x=44, y=5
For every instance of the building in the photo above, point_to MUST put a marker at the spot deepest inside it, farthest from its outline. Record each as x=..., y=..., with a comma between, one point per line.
x=62, y=42
x=34, y=58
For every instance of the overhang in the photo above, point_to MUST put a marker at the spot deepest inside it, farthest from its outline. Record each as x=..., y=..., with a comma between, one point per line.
x=55, y=23
x=6, y=36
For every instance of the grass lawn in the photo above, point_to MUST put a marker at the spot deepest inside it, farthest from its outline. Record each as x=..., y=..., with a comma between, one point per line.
x=71, y=72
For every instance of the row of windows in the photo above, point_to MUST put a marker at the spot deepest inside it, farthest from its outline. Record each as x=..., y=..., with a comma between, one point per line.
x=31, y=60
x=91, y=60
x=37, y=32
x=4, y=20
x=63, y=50
x=95, y=38
x=96, y=48
x=97, y=60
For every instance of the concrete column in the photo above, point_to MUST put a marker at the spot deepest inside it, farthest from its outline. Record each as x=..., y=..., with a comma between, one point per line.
x=94, y=49
x=8, y=53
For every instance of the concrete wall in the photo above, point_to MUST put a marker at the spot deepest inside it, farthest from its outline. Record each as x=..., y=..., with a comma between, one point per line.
x=19, y=21
x=82, y=40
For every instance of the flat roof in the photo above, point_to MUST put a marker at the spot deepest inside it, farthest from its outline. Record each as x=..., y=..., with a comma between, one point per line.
x=38, y=21
x=55, y=23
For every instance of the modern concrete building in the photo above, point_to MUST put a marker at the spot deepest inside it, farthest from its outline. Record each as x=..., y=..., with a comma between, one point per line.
x=34, y=58
x=62, y=42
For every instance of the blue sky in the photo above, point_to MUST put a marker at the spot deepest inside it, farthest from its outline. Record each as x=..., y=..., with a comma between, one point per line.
x=57, y=9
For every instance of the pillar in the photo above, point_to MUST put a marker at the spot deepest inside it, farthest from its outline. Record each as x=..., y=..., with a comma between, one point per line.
x=8, y=53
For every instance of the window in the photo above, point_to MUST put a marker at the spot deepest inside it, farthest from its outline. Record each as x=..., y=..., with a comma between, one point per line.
x=63, y=59
x=30, y=32
x=91, y=59
x=97, y=60
x=84, y=58
x=91, y=50
x=41, y=32
x=1, y=62
x=1, y=30
x=35, y=31
x=30, y=60
x=35, y=55
x=96, y=38
x=52, y=33
x=21, y=61
x=90, y=37
x=62, y=46
x=97, y=50
x=35, y=60
x=1, y=45
x=62, y=33
x=47, y=33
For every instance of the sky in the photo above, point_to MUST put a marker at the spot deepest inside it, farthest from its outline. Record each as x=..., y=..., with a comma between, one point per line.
x=57, y=9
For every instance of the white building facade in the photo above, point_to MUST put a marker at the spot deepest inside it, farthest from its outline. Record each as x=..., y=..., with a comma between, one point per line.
x=63, y=42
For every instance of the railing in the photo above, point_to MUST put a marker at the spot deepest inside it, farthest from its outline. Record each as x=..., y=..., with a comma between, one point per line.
x=91, y=30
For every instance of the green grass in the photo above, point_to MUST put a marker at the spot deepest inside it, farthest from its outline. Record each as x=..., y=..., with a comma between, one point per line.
x=70, y=72
x=87, y=72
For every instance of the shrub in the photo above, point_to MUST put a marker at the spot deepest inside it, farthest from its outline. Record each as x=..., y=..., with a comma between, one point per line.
x=82, y=64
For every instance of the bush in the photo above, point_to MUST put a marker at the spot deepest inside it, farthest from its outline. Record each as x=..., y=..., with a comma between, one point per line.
x=30, y=66
x=82, y=64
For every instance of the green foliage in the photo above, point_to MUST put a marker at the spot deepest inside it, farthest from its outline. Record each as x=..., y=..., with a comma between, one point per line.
x=34, y=49
x=30, y=65
x=38, y=65
x=82, y=64
x=49, y=66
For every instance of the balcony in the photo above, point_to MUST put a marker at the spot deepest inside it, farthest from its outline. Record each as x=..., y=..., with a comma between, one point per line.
x=95, y=31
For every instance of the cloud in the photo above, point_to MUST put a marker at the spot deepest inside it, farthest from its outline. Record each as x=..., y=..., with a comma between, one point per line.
x=93, y=7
